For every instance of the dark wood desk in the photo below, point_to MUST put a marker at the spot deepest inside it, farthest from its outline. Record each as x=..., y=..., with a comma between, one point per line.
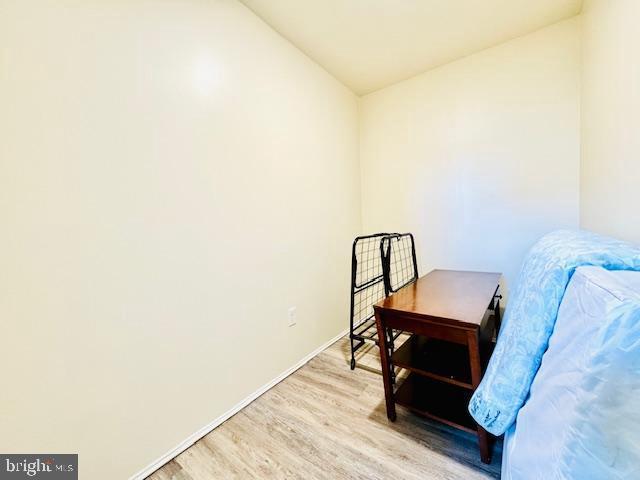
x=451, y=316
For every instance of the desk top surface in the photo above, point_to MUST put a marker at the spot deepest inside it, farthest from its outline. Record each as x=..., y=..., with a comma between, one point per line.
x=451, y=295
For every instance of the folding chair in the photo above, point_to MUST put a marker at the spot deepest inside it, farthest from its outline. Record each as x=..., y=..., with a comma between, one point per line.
x=381, y=264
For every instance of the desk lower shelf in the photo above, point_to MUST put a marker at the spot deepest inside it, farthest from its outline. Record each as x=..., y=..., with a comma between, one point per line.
x=440, y=384
x=436, y=400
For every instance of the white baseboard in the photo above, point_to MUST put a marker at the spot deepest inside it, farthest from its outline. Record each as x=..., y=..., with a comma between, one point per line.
x=194, y=437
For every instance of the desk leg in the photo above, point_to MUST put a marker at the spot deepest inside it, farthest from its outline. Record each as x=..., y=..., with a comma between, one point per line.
x=497, y=316
x=386, y=367
x=476, y=375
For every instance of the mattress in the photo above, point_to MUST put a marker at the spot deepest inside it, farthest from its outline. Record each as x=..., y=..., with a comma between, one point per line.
x=581, y=419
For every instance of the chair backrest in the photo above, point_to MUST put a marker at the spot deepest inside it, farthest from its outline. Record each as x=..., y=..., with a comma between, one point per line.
x=401, y=267
x=367, y=276
x=381, y=264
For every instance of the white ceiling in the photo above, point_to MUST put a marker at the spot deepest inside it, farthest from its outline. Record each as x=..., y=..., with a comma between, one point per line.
x=369, y=44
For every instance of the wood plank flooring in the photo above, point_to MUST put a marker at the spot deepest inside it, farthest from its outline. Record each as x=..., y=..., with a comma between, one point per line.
x=328, y=422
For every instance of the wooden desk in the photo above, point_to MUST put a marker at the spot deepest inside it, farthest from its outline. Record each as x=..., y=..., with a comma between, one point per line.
x=451, y=315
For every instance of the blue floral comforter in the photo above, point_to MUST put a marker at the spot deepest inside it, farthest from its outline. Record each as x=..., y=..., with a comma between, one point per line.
x=531, y=314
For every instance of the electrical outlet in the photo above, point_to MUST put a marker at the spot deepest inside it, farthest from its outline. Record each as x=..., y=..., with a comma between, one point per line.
x=291, y=315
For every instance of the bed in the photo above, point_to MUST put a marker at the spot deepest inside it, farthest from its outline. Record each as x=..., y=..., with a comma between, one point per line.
x=563, y=384
x=582, y=417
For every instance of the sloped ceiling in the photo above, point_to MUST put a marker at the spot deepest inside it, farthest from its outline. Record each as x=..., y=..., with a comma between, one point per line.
x=369, y=44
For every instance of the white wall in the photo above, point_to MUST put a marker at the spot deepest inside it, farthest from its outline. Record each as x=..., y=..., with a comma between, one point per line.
x=610, y=174
x=173, y=176
x=480, y=157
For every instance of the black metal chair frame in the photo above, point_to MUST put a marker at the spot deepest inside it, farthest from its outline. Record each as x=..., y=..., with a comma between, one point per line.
x=397, y=268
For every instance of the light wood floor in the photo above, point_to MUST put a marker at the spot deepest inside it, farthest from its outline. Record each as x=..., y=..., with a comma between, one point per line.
x=328, y=422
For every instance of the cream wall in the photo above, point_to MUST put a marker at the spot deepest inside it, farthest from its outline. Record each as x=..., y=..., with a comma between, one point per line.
x=173, y=177
x=479, y=157
x=610, y=176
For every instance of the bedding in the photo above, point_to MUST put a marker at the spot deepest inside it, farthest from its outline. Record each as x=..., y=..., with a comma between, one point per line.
x=581, y=420
x=531, y=315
